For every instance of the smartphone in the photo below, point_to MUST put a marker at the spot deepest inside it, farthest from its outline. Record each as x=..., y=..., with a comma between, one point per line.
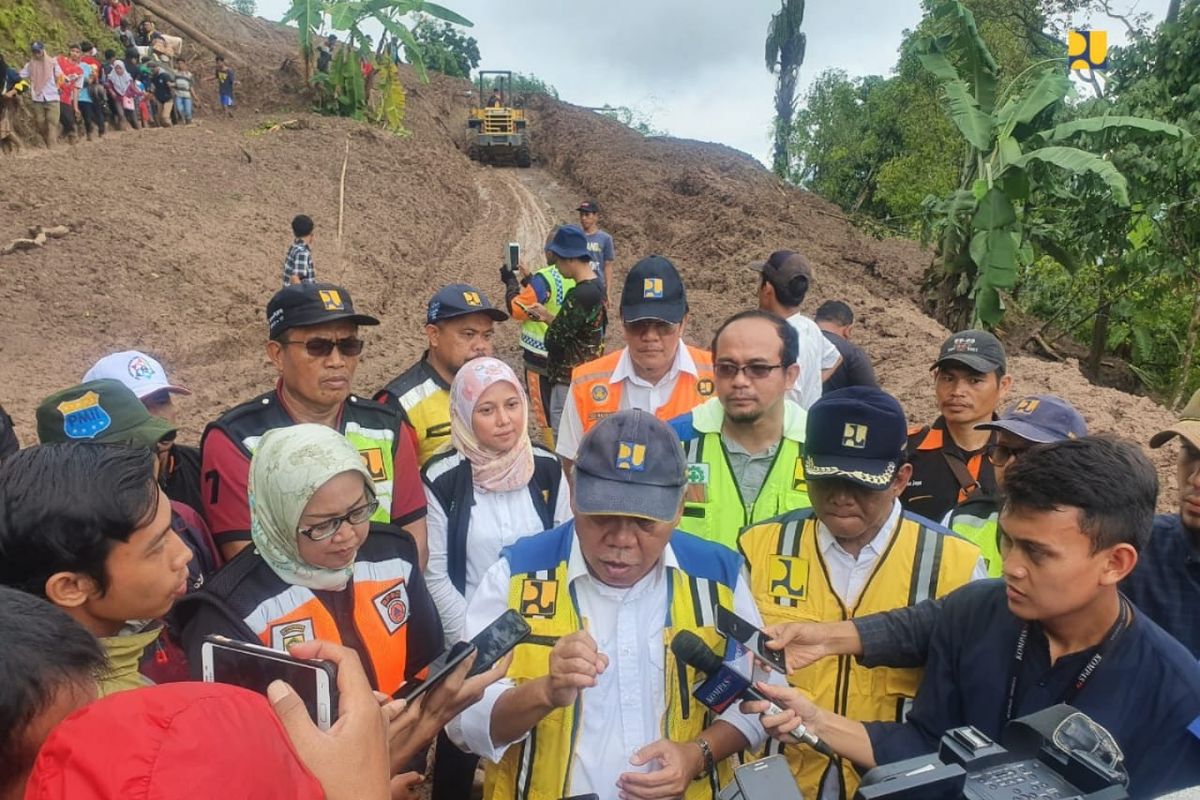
x=514, y=255
x=768, y=777
x=734, y=627
x=493, y=642
x=254, y=667
x=438, y=669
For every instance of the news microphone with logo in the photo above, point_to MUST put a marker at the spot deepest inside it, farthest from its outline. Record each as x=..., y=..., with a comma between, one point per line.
x=725, y=685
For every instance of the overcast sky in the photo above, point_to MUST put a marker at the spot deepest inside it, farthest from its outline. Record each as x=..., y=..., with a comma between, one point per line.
x=694, y=67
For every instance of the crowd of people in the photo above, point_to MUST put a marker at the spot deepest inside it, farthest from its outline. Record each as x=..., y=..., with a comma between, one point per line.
x=83, y=92
x=993, y=563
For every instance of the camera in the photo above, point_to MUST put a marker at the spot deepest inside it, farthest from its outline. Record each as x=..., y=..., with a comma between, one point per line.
x=1055, y=753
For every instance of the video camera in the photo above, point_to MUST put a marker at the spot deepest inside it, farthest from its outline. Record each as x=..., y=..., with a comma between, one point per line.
x=1055, y=754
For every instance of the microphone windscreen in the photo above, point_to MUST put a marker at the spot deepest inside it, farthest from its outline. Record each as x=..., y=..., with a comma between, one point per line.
x=691, y=649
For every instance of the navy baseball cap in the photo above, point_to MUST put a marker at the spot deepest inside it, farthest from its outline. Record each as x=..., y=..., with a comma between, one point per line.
x=858, y=433
x=304, y=304
x=589, y=207
x=570, y=241
x=977, y=350
x=653, y=290
x=458, y=300
x=1040, y=418
x=631, y=465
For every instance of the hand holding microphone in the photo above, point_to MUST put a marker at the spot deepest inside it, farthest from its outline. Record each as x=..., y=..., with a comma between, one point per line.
x=725, y=685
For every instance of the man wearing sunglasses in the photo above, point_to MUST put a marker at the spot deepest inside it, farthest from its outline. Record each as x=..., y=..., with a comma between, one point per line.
x=314, y=346
x=459, y=324
x=655, y=371
x=744, y=447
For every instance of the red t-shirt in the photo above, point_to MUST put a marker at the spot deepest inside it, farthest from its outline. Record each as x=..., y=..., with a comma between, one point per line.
x=72, y=73
x=225, y=471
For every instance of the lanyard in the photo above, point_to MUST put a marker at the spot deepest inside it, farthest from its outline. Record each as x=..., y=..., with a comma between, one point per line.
x=1014, y=677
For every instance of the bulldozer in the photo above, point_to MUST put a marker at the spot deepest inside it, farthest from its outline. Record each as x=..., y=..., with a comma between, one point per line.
x=496, y=130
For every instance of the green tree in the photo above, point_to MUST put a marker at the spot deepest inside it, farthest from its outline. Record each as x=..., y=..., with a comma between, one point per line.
x=531, y=84
x=634, y=118
x=445, y=48
x=784, y=53
x=247, y=7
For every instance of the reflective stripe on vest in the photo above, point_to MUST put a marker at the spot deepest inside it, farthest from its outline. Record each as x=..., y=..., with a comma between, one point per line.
x=539, y=768
x=790, y=583
x=376, y=446
x=533, y=332
x=427, y=407
x=596, y=398
x=381, y=609
x=713, y=505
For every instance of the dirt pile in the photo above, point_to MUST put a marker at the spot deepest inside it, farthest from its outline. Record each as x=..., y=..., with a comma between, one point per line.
x=177, y=238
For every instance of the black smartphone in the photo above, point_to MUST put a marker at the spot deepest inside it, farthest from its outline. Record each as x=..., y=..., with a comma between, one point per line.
x=493, y=642
x=437, y=671
x=767, y=777
x=254, y=667
x=514, y=255
x=750, y=637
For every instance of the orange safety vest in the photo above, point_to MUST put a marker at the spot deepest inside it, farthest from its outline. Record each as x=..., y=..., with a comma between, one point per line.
x=934, y=439
x=595, y=397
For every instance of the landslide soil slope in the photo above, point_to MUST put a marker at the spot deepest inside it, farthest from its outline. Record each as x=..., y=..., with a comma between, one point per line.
x=178, y=238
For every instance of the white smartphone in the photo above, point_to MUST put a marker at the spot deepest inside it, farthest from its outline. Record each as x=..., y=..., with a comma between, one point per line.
x=254, y=667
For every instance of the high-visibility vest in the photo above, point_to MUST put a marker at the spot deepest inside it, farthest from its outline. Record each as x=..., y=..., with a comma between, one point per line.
x=533, y=332
x=714, y=508
x=788, y=579
x=977, y=521
x=539, y=768
x=596, y=398
x=422, y=397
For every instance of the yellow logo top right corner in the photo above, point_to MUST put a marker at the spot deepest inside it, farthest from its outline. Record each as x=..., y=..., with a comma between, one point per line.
x=1087, y=50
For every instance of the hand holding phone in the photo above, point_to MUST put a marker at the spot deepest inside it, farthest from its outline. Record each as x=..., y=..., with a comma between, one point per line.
x=752, y=638
x=493, y=642
x=437, y=671
x=255, y=667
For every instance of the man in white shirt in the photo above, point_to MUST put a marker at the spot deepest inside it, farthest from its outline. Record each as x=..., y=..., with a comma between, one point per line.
x=655, y=371
x=594, y=687
x=786, y=278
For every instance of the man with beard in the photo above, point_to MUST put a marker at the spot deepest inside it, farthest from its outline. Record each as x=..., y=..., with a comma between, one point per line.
x=745, y=446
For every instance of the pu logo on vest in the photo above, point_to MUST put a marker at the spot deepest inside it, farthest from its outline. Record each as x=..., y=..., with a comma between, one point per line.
x=392, y=605
x=705, y=387
x=332, y=299
x=472, y=299
x=84, y=417
x=599, y=393
x=373, y=461
x=789, y=577
x=1027, y=406
x=697, y=483
x=1087, y=49
x=854, y=435
x=538, y=598
x=289, y=633
x=799, y=477
x=631, y=456
x=652, y=288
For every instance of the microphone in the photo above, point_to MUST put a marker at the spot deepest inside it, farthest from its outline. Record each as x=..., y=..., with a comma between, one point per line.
x=725, y=685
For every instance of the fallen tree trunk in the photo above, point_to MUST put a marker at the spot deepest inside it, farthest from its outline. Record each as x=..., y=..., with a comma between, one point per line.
x=197, y=36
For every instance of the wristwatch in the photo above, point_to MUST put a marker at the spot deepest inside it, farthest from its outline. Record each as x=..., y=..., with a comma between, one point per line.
x=706, y=751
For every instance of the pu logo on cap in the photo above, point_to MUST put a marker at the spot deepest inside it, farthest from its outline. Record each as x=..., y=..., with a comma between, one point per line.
x=84, y=417
x=139, y=369
x=1027, y=406
x=631, y=456
x=854, y=435
x=331, y=299
x=652, y=288
x=472, y=298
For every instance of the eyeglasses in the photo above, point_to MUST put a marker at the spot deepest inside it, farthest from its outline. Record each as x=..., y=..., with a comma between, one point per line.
x=755, y=372
x=323, y=530
x=641, y=327
x=1001, y=454
x=319, y=347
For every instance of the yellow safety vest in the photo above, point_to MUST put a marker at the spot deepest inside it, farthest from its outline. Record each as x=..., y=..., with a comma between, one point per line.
x=789, y=581
x=423, y=398
x=539, y=768
x=533, y=332
x=977, y=521
x=714, y=508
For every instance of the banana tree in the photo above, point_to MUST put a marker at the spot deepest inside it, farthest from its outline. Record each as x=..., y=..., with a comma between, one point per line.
x=983, y=238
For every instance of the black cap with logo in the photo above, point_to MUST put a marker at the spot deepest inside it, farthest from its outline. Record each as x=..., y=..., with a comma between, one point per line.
x=858, y=433
x=304, y=304
x=653, y=290
x=458, y=300
x=974, y=349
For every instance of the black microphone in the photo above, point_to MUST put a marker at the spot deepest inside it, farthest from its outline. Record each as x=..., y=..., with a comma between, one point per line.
x=726, y=685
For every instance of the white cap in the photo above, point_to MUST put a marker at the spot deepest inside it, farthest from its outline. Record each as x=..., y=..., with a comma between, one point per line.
x=138, y=371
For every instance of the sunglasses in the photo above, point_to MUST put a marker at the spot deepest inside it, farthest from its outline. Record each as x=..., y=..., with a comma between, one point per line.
x=641, y=327
x=355, y=516
x=318, y=347
x=755, y=372
x=1001, y=455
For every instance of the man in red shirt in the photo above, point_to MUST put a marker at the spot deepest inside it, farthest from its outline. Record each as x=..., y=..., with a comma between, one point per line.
x=314, y=344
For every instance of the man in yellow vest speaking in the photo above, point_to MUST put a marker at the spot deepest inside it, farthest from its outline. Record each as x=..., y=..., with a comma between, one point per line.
x=854, y=552
x=655, y=371
x=744, y=447
x=595, y=701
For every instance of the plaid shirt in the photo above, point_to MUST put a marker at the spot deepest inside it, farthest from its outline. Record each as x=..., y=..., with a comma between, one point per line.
x=299, y=262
